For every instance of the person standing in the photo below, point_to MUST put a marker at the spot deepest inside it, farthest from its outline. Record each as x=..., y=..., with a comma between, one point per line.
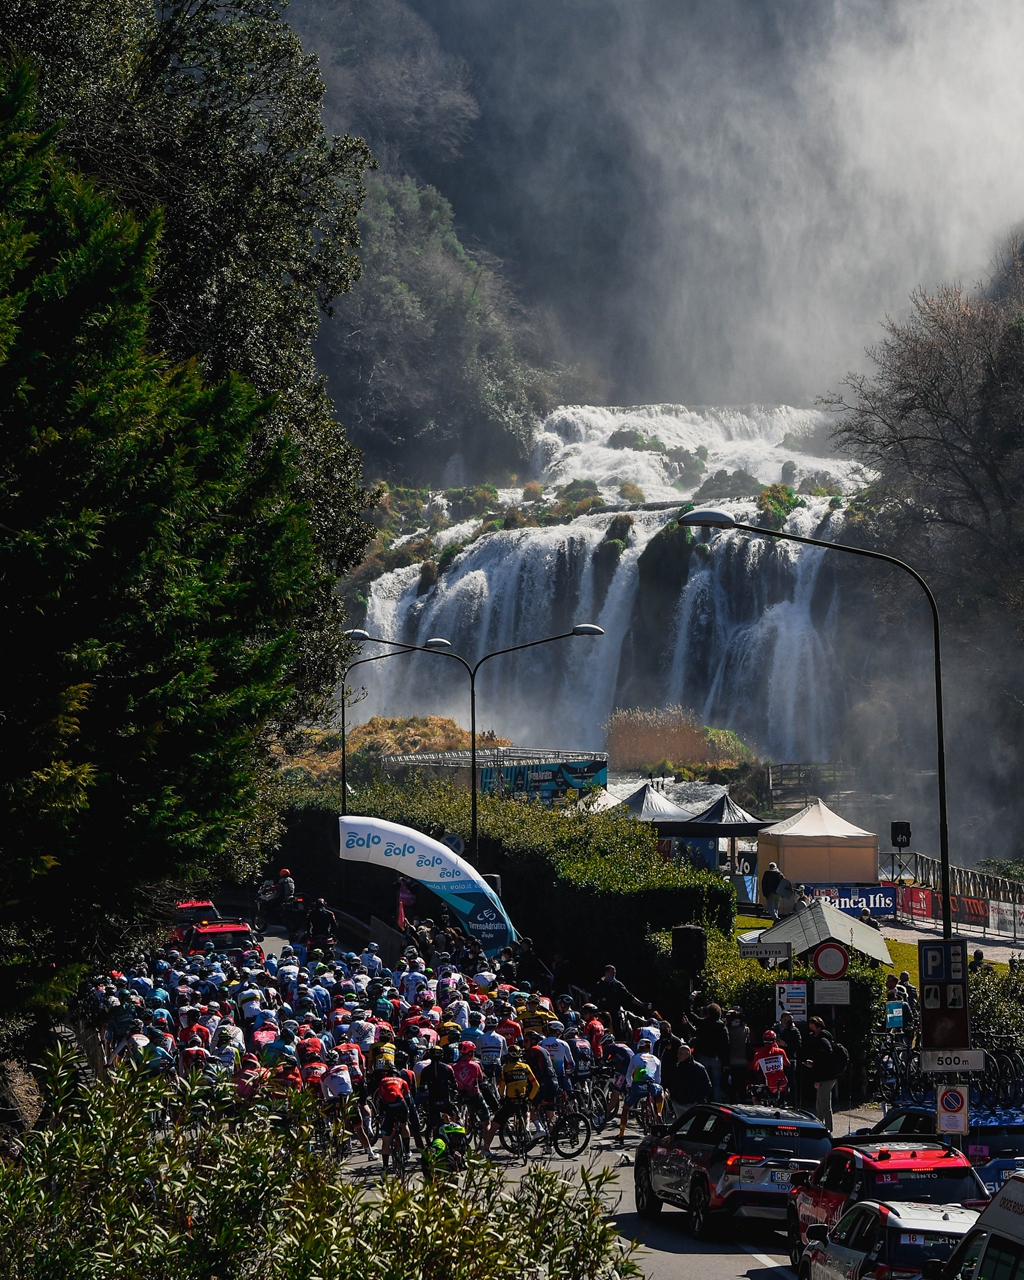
x=770, y=882
x=792, y=1041
x=609, y=993
x=711, y=1046
x=821, y=1064
x=686, y=1079
x=739, y=1045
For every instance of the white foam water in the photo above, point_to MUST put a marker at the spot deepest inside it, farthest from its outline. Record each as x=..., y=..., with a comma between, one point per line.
x=748, y=643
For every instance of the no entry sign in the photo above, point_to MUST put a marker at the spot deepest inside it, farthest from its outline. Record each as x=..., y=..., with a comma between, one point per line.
x=831, y=960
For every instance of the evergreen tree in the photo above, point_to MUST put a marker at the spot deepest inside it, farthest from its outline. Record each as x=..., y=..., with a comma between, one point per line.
x=155, y=566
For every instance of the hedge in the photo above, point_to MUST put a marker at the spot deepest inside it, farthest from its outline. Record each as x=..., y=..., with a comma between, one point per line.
x=589, y=886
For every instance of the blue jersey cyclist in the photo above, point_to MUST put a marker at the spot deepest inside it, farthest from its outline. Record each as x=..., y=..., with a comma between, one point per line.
x=643, y=1080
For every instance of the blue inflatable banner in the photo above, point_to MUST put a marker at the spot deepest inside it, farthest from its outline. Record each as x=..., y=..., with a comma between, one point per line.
x=469, y=898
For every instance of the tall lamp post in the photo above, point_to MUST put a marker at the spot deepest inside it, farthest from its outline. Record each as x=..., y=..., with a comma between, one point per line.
x=399, y=648
x=444, y=648
x=708, y=519
x=581, y=629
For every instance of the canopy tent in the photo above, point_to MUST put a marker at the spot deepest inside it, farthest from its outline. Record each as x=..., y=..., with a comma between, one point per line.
x=603, y=800
x=649, y=805
x=816, y=846
x=821, y=922
x=722, y=818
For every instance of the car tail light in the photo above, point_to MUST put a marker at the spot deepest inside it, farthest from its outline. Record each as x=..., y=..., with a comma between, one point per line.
x=734, y=1163
x=884, y=1272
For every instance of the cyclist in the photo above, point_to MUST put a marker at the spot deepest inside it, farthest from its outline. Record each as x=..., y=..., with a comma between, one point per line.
x=536, y=1017
x=508, y=1027
x=437, y=1079
x=771, y=1060
x=395, y=1098
x=644, y=1074
x=560, y=1054
x=468, y=1077
x=517, y=1083
x=539, y=1061
x=371, y=960
x=491, y=1049
x=619, y=1056
x=593, y=1028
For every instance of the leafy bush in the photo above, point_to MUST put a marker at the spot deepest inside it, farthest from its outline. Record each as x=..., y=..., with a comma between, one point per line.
x=591, y=883
x=630, y=438
x=578, y=490
x=533, y=491
x=774, y=504
x=638, y=739
x=99, y=1193
x=631, y=492
x=693, y=465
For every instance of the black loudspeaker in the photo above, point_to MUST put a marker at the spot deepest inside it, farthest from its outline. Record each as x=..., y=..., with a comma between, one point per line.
x=689, y=948
x=494, y=881
x=899, y=834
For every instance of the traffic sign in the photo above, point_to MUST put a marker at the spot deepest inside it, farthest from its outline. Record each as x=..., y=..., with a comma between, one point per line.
x=765, y=950
x=938, y=1060
x=791, y=997
x=894, y=1013
x=945, y=1019
x=831, y=960
x=951, y=1108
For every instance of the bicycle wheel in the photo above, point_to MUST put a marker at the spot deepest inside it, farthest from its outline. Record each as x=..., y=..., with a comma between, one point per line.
x=514, y=1134
x=887, y=1076
x=571, y=1134
x=1007, y=1071
x=917, y=1081
x=599, y=1110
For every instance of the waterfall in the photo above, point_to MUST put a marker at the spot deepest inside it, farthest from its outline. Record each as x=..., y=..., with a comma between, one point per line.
x=744, y=636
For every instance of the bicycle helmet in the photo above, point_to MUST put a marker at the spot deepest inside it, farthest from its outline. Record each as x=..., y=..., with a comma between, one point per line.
x=466, y=1049
x=514, y=1053
x=490, y=1022
x=372, y=946
x=770, y=1035
x=556, y=1027
x=641, y=1043
x=284, y=872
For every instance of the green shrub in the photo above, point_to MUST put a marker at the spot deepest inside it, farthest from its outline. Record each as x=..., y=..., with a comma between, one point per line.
x=630, y=492
x=578, y=490
x=587, y=884
x=533, y=491
x=98, y=1193
x=774, y=504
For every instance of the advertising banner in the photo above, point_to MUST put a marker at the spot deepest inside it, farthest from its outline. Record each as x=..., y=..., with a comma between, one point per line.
x=547, y=782
x=468, y=897
x=880, y=899
x=915, y=902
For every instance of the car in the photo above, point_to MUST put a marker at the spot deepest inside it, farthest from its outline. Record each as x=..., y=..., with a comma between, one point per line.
x=230, y=935
x=925, y=1172
x=189, y=913
x=720, y=1161
x=994, y=1248
x=994, y=1143
x=885, y=1239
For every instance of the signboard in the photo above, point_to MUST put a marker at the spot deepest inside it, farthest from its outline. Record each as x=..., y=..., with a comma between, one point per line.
x=951, y=1108
x=894, y=1013
x=791, y=997
x=831, y=960
x=831, y=993
x=411, y=854
x=945, y=1019
x=880, y=899
x=938, y=1060
x=765, y=950
x=454, y=842
x=546, y=782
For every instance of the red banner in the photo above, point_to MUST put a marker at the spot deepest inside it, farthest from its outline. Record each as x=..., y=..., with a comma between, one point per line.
x=914, y=901
x=926, y=904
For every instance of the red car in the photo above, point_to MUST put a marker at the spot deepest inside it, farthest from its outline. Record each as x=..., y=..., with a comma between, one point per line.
x=186, y=914
x=924, y=1171
x=229, y=936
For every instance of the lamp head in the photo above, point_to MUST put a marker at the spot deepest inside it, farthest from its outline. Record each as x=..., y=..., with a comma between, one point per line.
x=358, y=634
x=587, y=629
x=706, y=518
x=438, y=642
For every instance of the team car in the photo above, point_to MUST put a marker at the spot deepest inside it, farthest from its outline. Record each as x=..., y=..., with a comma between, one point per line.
x=228, y=935
x=189, y=913
x=720, y=1161
x=994, y=1143
x=994, y=1248
x=884, y=1240
x=925, y=1172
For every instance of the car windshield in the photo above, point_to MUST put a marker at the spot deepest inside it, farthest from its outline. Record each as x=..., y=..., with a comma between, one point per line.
x=990, y=1141
x=226, y=940
x=909, y=1249
x=790, y=1139
x=191, y=914
x=927, y=1186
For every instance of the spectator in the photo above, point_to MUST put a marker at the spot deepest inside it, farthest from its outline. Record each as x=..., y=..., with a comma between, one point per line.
x=739, y=1045
x=530, y=968
x=609, y=993
x=770, y=882
x=865, y=918
x=821, y=1063
x=687, y=1081
x=711, y=1047
x=912, y=996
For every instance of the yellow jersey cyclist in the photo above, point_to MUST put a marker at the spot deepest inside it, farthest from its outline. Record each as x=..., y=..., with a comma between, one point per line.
x=517, y=1082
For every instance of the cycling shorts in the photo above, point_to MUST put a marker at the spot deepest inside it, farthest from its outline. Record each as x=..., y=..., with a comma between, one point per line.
x=645, y=1088
x=475, y=1104
x=506, y=1108
x=395, y=1114
x=618, y=1083
x=546, y=1093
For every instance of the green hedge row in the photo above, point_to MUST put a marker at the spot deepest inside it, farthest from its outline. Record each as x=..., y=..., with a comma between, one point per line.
x=588, y=886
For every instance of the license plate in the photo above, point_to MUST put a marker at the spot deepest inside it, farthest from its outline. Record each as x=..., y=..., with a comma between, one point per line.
x=782, y=1176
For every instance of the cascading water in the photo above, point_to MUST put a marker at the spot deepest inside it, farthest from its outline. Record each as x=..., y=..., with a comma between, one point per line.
x=738, y=628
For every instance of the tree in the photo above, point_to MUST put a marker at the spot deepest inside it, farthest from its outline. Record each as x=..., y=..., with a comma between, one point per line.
x=156, y=565
x=210, y=111
x=942, y=423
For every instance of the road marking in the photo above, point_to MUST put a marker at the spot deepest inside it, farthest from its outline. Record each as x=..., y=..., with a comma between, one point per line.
x=765, y=1261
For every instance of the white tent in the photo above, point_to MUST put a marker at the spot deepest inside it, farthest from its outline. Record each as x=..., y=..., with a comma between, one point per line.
x=817, y=846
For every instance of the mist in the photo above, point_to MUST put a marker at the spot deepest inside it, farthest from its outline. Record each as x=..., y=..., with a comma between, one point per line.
x=719, y=200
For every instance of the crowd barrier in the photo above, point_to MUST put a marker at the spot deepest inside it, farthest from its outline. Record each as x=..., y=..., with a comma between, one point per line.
x=921, y=903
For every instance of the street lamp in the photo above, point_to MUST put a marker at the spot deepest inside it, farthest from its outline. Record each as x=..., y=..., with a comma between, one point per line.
x=709, y=519
x=362, y=637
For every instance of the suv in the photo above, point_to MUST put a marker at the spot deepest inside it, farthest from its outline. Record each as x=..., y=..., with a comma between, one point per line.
x=719, y=1160
x=925, y=1172
x=885, y=1240
x=994, y=1142
x=190, y=913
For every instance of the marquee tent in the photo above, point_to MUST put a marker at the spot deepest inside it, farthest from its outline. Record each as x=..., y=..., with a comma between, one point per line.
x=722, y=818
x=817, y=846
x=649, y=805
